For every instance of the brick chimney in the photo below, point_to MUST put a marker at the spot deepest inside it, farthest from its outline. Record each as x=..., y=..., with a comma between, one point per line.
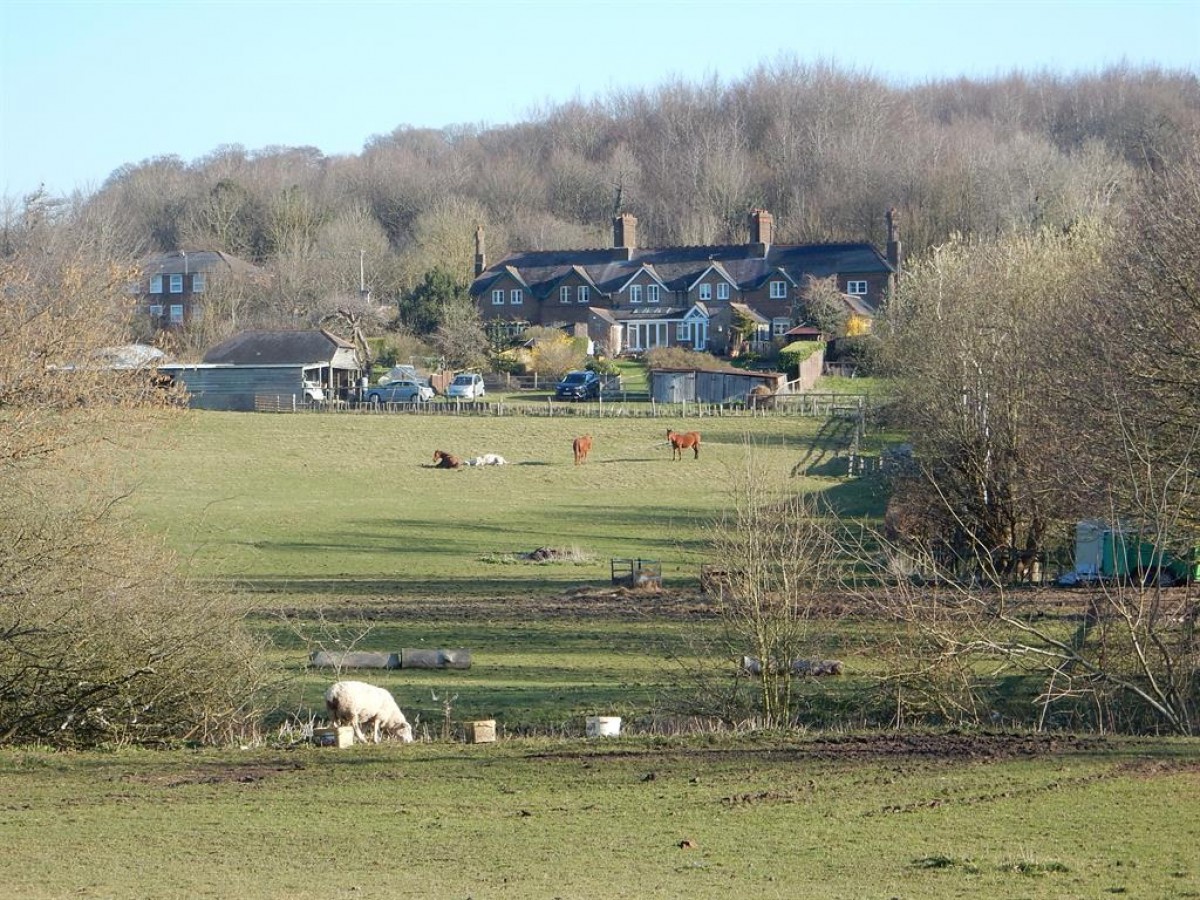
x=480, y=253
x=625, y=231
x=762, y=227
x=893, y=241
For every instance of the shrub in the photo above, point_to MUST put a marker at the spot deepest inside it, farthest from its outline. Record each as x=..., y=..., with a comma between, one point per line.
x=104, y=643
x=682, y=358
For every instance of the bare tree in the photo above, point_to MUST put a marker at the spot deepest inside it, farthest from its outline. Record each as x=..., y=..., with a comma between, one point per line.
x=779, y=558
x=101, y=638
x=974, y=334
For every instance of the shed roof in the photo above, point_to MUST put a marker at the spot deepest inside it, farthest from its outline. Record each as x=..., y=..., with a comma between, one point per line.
x=259, y=348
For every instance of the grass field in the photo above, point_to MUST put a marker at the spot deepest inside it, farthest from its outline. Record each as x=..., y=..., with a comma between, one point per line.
x=865, y=816
x=350, y=504
x=343, y=535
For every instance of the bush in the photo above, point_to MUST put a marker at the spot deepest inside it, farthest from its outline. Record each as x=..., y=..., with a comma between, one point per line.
x=104, y=643
x=791, y=356
x=861, y=350
x=603, y=366
x=682, y=358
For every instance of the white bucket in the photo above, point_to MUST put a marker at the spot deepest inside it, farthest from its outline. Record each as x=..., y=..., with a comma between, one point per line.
x=603, y=726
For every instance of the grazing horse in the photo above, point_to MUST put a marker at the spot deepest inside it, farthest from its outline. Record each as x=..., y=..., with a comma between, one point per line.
x=681, y=441
x=582, y=446
x=444, y=460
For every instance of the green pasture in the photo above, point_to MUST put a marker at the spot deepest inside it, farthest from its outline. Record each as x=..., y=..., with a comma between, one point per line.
x=344, y=537
x=314, y=505
x=704, y=816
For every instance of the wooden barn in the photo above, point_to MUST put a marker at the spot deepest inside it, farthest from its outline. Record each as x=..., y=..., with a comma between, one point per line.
x=270, y=370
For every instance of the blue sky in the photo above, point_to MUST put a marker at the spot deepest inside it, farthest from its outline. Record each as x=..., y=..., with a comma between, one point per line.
x=86, y=87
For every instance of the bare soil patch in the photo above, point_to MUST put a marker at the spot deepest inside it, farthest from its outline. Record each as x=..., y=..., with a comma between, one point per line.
x=217, y=773
x=944, y=746
x=584, y=602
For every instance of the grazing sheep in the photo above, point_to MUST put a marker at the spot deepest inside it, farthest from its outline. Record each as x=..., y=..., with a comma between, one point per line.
x=488, y=459
x=357, y=703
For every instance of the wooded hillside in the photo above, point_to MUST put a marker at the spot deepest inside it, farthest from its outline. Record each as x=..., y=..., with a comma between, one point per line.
x=826, y=150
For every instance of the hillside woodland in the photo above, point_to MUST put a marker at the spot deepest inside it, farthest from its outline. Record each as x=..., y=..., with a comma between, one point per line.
x=1043, y=339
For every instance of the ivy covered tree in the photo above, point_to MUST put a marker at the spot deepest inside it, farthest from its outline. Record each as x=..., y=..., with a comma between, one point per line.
x=426, y=306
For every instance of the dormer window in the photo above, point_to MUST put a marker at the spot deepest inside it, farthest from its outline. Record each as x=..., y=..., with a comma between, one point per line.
x=564, y=294
x=652, y=293
x=723, y=291
x=705, y=292
x=498, y=298
x=856, y=287
x=582, y=293
x=635, y=293
x=516, y=297
x=778, y=290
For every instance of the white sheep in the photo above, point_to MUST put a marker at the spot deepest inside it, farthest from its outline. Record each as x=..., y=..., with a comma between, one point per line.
x=357, y=703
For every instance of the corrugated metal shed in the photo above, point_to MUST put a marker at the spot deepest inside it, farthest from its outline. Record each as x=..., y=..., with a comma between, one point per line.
x=697, y=385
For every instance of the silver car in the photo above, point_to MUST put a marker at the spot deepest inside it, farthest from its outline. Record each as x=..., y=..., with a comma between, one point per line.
x=402, y=391
x=467, y=386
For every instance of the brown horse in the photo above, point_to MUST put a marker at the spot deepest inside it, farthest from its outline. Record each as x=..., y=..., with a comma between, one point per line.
x=444, y=460
x=582, y=446
x=681, y=441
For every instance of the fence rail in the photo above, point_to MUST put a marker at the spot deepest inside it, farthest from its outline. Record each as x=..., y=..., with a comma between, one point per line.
x=626, y=405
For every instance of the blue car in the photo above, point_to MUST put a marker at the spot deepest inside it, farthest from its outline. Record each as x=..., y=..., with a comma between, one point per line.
x=582, y=385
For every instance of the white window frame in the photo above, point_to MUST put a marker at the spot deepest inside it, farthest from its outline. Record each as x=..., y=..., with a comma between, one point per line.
x=583, y=293
x=176, y=313
x=705, y=291
x=156, y=284
x=635, y=293
x=156, y=310
x=653, y=293
x=858, y=288
x=723, y=290
x=177, y=284
x=199, y=283
x=683, y=333
x=498, y=297
x=778, y=290
x=564, y=294
x=516, y=297
x=779, y=325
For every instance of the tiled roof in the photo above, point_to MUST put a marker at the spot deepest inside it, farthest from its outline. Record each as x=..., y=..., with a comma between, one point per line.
x=179, y=262
x=678, y=267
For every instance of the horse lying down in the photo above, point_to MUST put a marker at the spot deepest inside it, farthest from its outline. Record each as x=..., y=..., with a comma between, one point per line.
x=359, y=704
x=488, y=459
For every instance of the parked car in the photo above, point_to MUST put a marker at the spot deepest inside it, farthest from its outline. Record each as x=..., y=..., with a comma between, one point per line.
x=313, y=392
x=582, y=385
x=402, y=391
x=467, y=386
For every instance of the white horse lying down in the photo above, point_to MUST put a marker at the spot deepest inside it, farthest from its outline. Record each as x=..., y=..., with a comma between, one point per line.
x=488, y=459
